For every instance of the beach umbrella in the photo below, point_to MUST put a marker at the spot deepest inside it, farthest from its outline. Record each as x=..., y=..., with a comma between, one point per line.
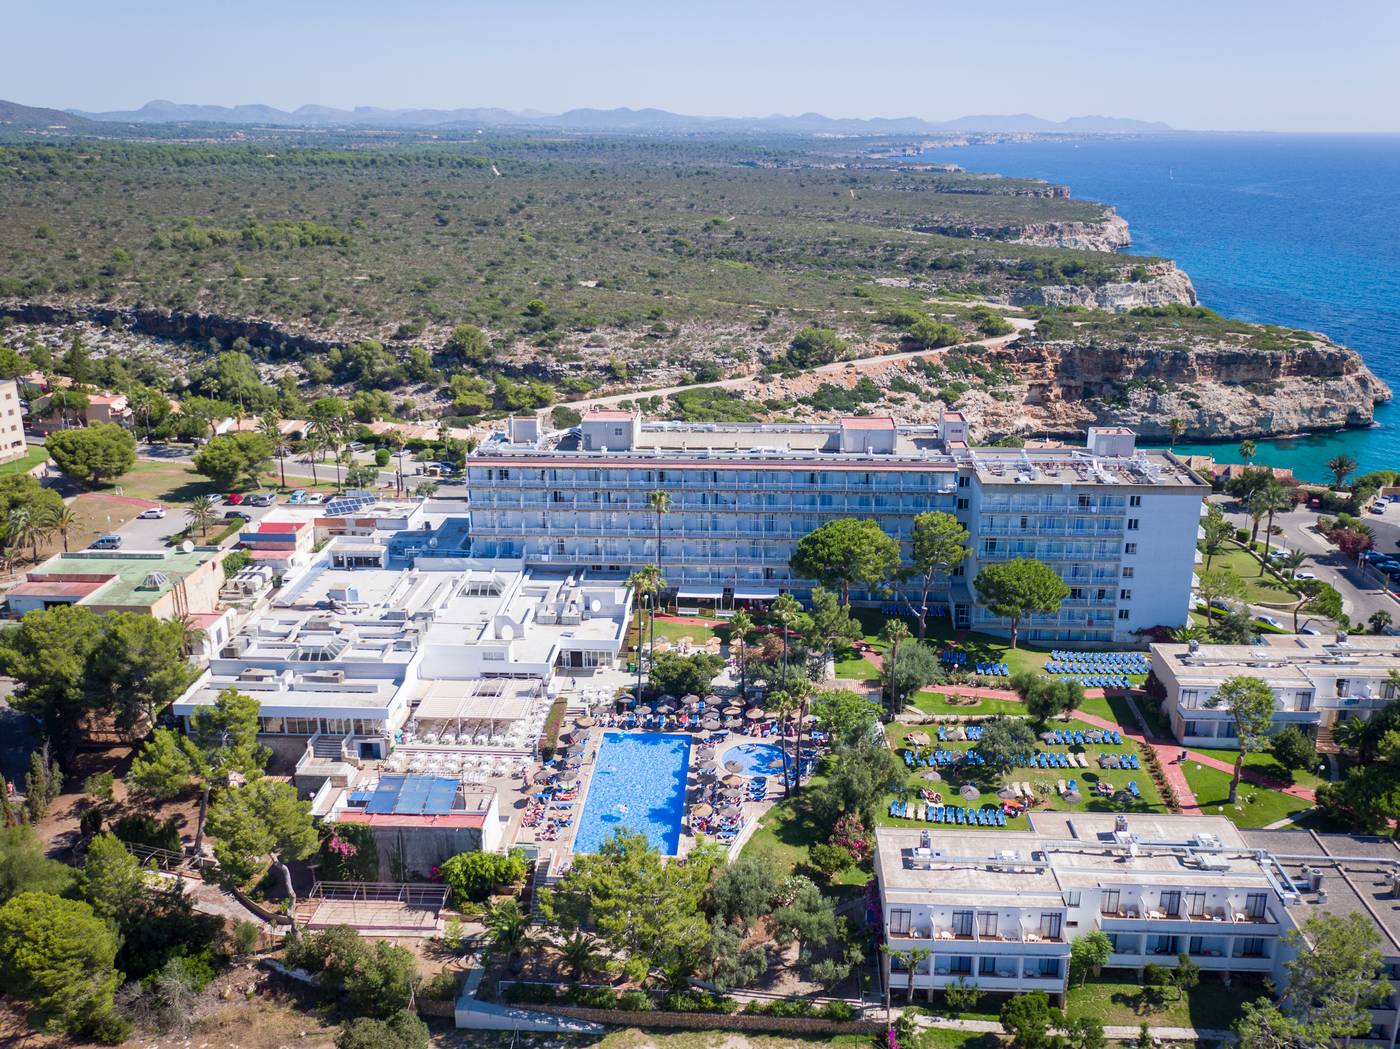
x=733, y=711
x=690, y=700
x=970, y=792
x=733, y=780
x=645, y=709
x=1006, y=792
x=711, y=723
x=584, y=722
x=933, y=775
x=920, y=738
x=733, y=723
x=668, y=698
x=703, y=809
x=731, y=810
x=712, y=699
x=1074, y=797
x=666, y=708
x=756, y=714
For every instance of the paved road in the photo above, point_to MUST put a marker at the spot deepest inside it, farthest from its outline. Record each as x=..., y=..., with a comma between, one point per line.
x=1362, y=589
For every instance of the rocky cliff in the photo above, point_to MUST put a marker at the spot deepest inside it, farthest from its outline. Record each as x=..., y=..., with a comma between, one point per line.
x=1108, y=234
x=1220, y=391
x=1163, y=285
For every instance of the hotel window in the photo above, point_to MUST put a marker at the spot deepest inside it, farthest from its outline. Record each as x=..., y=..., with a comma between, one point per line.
x=1072, y=899
x=1110, y=902
x=899, y=923
x=1195, y=945
x=1083, y=502
x=1251, y=947
x=1127, y=571
x=962, y=923
x=1171, y=903
x=1049, y=967
x=987, y=965
x=1161, y=945
x=1130, y=548
x=1196, y=904
x=1112, y=941
x=960, y=965
x=1134, y=500
x=987, y=923
x=1125, y=595
x=1124, y=613
x=963, y=482
x=1025, y=522
x=962, y=504
x=1255, y=904
x=1132, y=524
x=1050, y=926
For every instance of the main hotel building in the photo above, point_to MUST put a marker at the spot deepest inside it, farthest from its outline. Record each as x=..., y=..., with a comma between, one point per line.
x=1118, y=523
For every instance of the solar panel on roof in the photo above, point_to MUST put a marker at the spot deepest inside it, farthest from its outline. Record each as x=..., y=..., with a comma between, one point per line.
x=349, y=504
x=413, y=796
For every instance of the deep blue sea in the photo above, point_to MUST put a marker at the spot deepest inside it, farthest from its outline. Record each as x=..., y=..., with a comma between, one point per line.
x=1300, y=230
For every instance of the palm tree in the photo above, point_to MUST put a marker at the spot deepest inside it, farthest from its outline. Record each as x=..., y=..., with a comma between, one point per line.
x=202, y=513
x=1379, y=621
x=1257, y=507
x=65, y=521
x=1247, y=450
x=395, y=440
x=785, y=612
x=268, y=427
x=1176, y=428
x=1292, y=561
x=896, y=633
x=740, y=627
x=1350, y=733
x=25, y=527
x=191, y=635
x=507, y=929
x=1217, y=531
x=645, y=583
x=659, y=502
x=1277, y=498
x=312, y=445
x=581, y=954
x=801, y=692
x=1340, y=465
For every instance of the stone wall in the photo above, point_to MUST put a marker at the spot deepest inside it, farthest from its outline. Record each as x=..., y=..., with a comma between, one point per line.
x=649, y=1018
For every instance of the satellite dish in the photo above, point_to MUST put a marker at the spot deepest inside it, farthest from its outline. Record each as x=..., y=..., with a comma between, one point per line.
x=187, y=547
x=595, y=605
x=432, y=543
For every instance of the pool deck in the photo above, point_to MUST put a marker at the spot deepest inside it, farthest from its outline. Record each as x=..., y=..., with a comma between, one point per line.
x=563, y=846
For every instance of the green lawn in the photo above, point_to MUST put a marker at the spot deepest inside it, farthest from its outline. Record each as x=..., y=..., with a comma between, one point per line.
x=1211, y=1005
x=856, y=668
x=979, y=647
x=936, y=703
x=1259, y=590
x=786, y=830
x=1151, y=800
x=1257, y=806
x=697, y=633
x=178, y=482
x=1263, y=762
x=33, y=457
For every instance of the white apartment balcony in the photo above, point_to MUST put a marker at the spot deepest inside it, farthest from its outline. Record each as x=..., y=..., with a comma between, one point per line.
x=1133, y=919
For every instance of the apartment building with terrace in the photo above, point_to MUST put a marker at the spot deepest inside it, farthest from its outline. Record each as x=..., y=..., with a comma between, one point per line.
x=1118, y=523
x=1317, y=681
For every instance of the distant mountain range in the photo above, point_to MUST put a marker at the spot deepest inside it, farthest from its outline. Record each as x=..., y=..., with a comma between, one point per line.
x=14, y=115
x=635, y=120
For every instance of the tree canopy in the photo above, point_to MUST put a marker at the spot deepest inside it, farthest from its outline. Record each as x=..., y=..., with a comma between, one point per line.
x=1018, y=588
x=846, y=552
x=232, y=460
x=1250, y=702
x=93, y=454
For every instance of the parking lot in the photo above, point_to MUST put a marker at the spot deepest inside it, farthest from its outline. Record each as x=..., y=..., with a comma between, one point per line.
x=154, y=534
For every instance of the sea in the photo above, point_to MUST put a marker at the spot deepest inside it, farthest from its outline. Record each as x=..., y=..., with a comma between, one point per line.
x=1298, y=230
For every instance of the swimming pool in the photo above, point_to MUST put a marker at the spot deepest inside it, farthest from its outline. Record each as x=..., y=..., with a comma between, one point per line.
x=638, y=783
x=754, y=759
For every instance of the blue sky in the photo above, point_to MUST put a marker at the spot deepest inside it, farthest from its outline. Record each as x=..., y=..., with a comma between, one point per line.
x=1224, y=64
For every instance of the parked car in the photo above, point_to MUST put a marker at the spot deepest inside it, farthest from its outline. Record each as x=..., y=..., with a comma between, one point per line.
x=1270, y=621
x=1378, y=508
x=1304, y=575
x=106, y=542
x=152, y=513
x=297, y=497
x=316, y=497
x=241, y=515
x=260, y=499
x=1314, y=631
x=233, y=498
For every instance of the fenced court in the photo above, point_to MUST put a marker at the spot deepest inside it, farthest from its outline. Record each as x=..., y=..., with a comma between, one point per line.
x=386, y=908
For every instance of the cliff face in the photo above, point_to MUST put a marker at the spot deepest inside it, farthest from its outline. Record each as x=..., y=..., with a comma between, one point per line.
x=1164, y=286
x=1110, y=234
x=1217, y=392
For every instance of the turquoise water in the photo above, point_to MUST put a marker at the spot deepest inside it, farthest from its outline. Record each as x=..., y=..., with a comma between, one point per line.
x=638, y=784
x=1301, y=230
x=754, y=759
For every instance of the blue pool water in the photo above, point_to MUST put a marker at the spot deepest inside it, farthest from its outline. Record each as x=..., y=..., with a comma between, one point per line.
x=754, y=759
x=638, y=784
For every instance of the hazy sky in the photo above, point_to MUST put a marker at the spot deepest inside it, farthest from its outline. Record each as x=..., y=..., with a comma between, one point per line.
x=1220, y=64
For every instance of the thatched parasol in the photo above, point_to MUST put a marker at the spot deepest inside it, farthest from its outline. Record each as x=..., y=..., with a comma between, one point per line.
x=968, y=791
x=703, y=809
x=733, y=780
x=584, y=722
x=756, y=714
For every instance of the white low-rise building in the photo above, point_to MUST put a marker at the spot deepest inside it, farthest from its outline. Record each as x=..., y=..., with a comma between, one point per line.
x=1316, y=680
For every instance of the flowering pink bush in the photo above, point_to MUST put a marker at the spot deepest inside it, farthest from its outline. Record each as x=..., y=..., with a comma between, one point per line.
x=342, y=848
x=891, y=1041
x=851, y=835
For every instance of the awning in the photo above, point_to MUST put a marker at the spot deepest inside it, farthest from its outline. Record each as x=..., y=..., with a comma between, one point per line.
x=710, y=592
x=758, y=593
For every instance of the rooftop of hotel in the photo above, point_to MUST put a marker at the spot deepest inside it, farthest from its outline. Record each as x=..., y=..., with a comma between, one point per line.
x=1358, y=877
x=132, y=578
x=856, y=440
x=1283, y=658
x=1067, y=850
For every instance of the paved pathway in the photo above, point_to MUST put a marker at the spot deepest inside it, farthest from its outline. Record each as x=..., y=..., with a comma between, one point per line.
x=1117, y=1033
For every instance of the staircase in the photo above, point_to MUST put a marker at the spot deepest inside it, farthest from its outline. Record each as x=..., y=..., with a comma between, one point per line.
x=1325, y=743
x=327, y=747
x=540, y=877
